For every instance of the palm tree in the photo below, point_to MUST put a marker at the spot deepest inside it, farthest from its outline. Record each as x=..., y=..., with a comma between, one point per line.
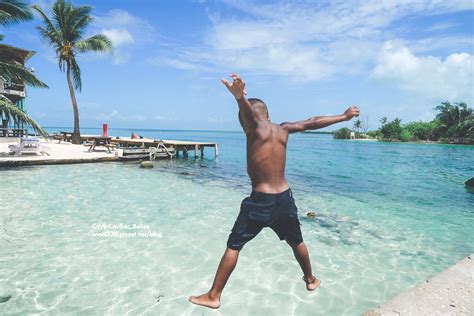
x=65, y=34
x=9, y=111
x=357, y=125
x=452, y=116
x=14, y=11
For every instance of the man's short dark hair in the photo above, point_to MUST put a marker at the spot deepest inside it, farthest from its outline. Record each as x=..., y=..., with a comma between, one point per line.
x=255, y=101
x=258, y=104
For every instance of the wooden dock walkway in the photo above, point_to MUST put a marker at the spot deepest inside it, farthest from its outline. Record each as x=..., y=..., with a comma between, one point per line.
x=178, y=145
x=66, y=153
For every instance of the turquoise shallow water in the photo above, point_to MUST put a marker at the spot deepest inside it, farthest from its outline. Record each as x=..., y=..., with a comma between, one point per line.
x=389, y=216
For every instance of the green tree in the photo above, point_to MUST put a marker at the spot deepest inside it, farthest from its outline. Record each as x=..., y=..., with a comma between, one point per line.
x=405, y=135
x=466, y=128
x=64, y=32
x=14, y=11
x=390, y=130
x=343, y=133
x=423, y=130
x=10, y=111
x=452, y=117
x=394, y=130
x=357, y=125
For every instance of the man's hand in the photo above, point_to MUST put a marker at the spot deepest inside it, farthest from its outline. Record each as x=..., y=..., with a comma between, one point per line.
x=237, y=87
x=351, y=112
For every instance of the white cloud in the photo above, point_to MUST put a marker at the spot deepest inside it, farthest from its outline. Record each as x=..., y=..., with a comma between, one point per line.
x=122, y=22
x=429, y=76
x=115, y=115
x=301, y=40
x=175, y=63
x=126, y=32
x=119, y=37
x=441, y=27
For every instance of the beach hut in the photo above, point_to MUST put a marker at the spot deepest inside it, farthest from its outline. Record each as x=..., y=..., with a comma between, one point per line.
x=13, y=91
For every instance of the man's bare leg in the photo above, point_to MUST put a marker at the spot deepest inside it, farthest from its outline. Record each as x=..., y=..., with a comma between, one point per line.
x=226, y=266
x=302, y=256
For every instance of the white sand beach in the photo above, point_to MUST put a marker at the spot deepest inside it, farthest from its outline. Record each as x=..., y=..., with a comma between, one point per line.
x=57, y=153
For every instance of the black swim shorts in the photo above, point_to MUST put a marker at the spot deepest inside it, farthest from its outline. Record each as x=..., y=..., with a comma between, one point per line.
x=277, y=211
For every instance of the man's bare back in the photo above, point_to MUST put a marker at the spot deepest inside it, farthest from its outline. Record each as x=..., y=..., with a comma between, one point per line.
x=271, y=203
x=266, y=158
x=266, y=141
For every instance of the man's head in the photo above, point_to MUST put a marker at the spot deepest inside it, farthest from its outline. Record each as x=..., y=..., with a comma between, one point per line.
x=259, y=108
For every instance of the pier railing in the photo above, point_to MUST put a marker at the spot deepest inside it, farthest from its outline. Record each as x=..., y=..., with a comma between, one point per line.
x=13, y=132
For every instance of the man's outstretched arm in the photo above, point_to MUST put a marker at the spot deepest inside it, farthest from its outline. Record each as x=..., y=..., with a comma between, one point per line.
x=237, y=88
x=318, y=122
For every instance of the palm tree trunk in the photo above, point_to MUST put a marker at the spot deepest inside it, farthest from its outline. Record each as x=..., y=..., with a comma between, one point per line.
x=76, y=135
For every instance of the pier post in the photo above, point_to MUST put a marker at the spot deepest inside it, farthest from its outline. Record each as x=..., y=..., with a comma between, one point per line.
x=196, y=149
x=202, y=151
x=216, y=150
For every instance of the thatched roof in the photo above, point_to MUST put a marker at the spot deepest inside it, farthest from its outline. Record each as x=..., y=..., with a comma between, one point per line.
x=8, y=52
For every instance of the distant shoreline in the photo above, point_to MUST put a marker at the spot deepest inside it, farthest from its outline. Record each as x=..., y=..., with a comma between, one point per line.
x=170, y=130
x=317, y=132
x=428, y=142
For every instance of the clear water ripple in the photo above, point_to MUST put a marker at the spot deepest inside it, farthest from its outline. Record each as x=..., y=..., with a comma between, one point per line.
x=388, y=216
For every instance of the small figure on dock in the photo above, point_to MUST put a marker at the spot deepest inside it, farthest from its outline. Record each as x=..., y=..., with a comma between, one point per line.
x=271, y=203
x=135, y=136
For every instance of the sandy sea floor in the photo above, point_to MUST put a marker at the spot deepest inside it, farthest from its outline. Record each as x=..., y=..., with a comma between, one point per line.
x=67, y=246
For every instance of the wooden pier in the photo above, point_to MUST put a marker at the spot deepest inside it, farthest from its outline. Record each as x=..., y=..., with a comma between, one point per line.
x=177, y=145
x=185, y=147
x=65, y=153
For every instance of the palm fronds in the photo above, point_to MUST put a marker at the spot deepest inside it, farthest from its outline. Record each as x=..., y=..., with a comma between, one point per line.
x=76, y=75
x=64, y=31
x=16, y=72
x=10, y=111
x=96, y=43
x=14, y=11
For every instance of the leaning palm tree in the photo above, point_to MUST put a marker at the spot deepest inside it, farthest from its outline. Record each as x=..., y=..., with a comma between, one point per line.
x=10, y=111
x=64, y=32
x=14, y=11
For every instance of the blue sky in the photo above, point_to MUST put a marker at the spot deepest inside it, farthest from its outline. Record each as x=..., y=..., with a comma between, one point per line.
x=303, y=58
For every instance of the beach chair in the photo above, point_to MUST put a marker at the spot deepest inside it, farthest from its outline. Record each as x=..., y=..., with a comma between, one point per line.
x=28, y=145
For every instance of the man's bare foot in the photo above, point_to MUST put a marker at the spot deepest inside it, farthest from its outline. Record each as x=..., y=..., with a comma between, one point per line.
x=311, y=286
x=205, y=300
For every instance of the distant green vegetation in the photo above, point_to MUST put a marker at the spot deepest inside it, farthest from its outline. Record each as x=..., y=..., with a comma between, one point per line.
x=343, y=133
x=317, y=132
x=454, y=123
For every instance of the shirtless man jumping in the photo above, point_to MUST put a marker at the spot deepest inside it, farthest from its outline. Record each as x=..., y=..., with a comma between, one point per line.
x=271, y=202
